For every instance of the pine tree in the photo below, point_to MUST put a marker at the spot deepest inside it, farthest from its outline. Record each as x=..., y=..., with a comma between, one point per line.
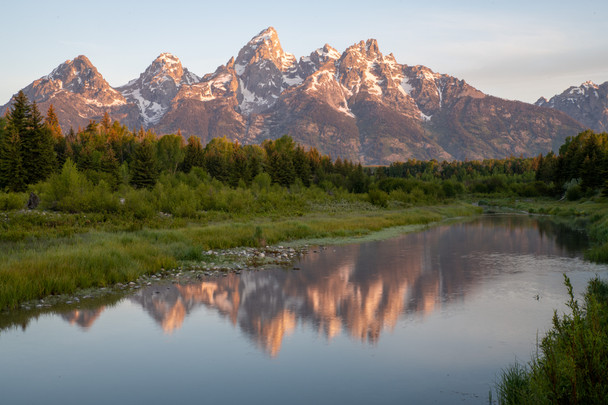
x=194, y=155
x=12, y=176
x=302, y=166
x=20, y=113
x=109, y=165
x=281, y=169
x=143, y=167
x=52, y=123
x=106, y=122
x=36, y=153
x=37, y=148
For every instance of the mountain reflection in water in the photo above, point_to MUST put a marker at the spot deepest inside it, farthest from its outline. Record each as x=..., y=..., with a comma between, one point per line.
x=359, y=289
x=83, y=317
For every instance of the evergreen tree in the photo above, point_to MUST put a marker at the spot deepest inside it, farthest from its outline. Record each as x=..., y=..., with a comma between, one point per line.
x=106, y=122
x=256, y=157
x=358, y=181
x=52, y=123
x=194, y=156
x=37, y=148
x=12, y=175
x=143, y=167
x=281, y=169
x=109, y=165
x=219, y=158
x=302, y=165
x=20, y=112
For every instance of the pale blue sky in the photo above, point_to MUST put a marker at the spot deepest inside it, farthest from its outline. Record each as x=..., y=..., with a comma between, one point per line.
x=512, y=49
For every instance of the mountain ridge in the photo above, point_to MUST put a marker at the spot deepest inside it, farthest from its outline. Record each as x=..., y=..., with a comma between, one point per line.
x=359, y=104
x=587, y=103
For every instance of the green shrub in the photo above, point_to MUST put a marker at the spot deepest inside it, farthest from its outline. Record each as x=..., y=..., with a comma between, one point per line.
x=138, y=204
x=449, y=189
x=13, y=201
x=378, y=197
x=574, y=193
x=572, y=366
x=262, y=181
x=67, y=190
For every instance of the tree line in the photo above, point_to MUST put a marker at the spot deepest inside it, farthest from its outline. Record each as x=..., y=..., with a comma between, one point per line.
x=33, y=147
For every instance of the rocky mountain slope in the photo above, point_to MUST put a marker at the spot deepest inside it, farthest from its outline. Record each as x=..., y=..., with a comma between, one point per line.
x=79, y=93
x=359, y=104
x=587, y=103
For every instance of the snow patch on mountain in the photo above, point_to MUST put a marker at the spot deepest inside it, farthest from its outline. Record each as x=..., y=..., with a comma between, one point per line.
x=251, y=102
x=153, y=91
x=151, y=112
x=425, y=117
x=292, y=81
x=97, y=103
x=405, y=86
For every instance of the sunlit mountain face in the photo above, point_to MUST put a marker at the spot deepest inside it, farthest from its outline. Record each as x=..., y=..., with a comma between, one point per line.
x=359, y=104
x=360, y=290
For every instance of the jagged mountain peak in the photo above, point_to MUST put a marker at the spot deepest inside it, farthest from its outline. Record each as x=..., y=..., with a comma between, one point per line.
x=166, y=67
x=154, y=89
x=587, y=103
x=264, y=71
x=268, y=34
x=311, y=63
x=77, y=76
x=588, y=84
x=358, y=104
x=264, y=47
x=168, y=58
x=80, y=66
x=368, y=49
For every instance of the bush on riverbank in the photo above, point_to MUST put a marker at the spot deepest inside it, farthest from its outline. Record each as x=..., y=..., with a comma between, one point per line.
x=572, y=365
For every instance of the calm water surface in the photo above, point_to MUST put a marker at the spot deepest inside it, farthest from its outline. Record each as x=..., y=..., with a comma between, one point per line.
x=429, y=317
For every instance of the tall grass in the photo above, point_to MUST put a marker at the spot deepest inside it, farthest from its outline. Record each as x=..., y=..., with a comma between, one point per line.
x=35, y=268
x=95, y=260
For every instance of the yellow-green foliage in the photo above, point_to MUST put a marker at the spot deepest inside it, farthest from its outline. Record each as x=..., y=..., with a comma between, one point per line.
x=12, y=201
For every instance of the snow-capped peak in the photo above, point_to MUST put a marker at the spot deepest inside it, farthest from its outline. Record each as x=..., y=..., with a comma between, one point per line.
x=153, y=91
x=327, y=52
x=589, y=84
x=269, y=34
x=168, y=58
x=264, y=46
x=264, y=71
x=71, y=68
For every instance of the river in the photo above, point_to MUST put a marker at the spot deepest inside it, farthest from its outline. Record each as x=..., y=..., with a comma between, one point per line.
x=427, y=317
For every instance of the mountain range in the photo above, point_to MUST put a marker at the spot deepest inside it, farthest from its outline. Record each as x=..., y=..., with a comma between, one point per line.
x=360, y=104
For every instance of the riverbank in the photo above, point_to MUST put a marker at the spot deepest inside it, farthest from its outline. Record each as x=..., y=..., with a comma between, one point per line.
x=67, y=253
x=590, y=215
